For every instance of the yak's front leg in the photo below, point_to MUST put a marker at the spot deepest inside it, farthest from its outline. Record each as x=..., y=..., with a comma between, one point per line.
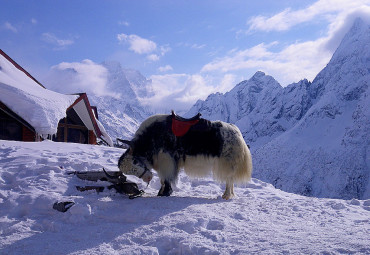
x=229, y=191
x=166, y=189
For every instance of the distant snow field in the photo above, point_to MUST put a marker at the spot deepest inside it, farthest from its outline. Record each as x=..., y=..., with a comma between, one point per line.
x=194, y=220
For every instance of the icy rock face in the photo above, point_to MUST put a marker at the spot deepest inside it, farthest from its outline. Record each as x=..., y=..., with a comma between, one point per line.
x=308, y=138
x=122, y=115
x=260, y=107
x=326, y=153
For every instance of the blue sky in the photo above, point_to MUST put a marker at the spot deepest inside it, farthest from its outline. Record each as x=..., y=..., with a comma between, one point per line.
x=188, y=48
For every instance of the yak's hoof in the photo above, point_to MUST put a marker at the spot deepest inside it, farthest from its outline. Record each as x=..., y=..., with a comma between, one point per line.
x=166, y=190
x=227, y=196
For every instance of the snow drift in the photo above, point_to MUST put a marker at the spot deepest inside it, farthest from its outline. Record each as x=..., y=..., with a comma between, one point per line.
x=195, y=220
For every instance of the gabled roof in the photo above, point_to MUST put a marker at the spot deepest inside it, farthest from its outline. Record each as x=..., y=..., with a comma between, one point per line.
x=19, y=67
x=86, y=114
x=38, y=106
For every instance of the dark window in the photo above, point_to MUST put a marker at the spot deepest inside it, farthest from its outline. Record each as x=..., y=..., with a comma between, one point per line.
x=10, y=129
x=77, y=135
x=72, y=129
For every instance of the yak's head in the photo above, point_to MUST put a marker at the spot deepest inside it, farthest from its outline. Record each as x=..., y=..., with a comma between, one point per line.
x=132, y=165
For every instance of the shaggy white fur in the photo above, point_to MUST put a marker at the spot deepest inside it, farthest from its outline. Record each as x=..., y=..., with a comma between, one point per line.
x=233, y=166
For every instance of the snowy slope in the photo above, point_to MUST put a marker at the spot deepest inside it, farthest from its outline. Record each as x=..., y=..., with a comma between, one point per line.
x=195, y=220
x=326, y=153
x=308, y=138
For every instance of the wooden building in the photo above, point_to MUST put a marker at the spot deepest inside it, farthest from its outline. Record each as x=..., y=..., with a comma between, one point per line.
x=80, y=124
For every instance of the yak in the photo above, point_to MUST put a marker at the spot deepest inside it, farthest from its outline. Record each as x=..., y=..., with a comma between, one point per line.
x=169, y=143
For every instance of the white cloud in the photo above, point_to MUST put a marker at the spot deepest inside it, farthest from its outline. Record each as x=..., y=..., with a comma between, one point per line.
x=300, y=59
x=10, y=27
x=124, y=23
x=322, y=9
x=343, y=22
x=164, y=49
x=59, y=43
x=197, y=46
x=181, y=91
x=153, y=57
x=165, y=68
x=144, y=46
x=166, y=89
x=293, y=63
x=228, y=82
x=34, y=21
x=76, y=77
x=196, y=87
x=138, y=44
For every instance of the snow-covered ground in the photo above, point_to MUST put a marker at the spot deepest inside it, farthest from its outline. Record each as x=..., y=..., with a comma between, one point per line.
x=195, y=220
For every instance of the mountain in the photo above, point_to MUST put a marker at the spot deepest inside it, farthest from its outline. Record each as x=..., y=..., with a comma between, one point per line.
x=260, y=107
x=122, y=115
x=307, y=138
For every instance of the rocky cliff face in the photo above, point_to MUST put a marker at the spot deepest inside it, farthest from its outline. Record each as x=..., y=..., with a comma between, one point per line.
x=308, y=138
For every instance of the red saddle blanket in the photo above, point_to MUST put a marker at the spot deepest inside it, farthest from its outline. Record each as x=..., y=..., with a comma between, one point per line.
x=180, y=128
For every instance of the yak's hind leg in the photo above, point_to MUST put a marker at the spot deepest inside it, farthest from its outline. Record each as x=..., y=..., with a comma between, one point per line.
x=229, y=191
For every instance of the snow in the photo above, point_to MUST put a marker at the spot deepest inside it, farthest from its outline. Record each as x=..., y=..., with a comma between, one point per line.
x=41, y=108
x=310, y=138
x=104, y=134
x=194, y=220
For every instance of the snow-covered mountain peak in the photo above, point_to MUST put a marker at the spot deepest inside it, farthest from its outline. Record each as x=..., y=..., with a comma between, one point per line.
x=130, y=83
x=308, y=138
x=351, y=59
x=239, y=102
x=356, y=39
x=263, y=79
x=112, y=66
x=140, y=84
x=324, y=153
x=122, y=114
x=117, y=81
x=257, y=83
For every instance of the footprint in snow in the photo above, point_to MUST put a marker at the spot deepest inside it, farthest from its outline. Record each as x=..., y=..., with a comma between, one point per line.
x=239, y=216
x=354, y=202
x=336, y=205
x=215, y=225
x=254, y=186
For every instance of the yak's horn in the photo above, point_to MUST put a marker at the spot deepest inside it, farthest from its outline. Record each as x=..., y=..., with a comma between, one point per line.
x=124, y=141
x=110, y=176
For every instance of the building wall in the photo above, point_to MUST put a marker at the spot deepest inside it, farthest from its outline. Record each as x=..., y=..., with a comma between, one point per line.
x=92, y=137
x=12, y=127
x=28, y=135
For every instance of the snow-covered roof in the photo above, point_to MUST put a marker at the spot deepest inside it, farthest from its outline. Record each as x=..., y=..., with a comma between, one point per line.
x=40, y=107
x=84, y=111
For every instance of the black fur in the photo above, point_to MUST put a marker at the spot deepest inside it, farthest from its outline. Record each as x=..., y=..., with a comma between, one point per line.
x=203, y=138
